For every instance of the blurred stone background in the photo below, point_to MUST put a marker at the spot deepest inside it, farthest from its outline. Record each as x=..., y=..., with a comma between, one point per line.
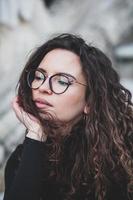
x=25, y=24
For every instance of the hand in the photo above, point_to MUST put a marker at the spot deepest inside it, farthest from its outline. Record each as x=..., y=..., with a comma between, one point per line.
x=29, y=121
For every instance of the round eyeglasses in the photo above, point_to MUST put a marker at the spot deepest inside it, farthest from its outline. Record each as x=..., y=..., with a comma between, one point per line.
x=58, y=83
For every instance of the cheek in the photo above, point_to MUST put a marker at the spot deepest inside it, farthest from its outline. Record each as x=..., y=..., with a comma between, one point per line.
x=71, y=106
x=75, y=98
x=33, y=92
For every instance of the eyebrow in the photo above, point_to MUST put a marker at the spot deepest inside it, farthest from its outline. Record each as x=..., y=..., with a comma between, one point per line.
x=63, y=73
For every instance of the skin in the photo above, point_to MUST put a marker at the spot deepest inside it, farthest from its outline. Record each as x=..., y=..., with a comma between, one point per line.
x=67, y=106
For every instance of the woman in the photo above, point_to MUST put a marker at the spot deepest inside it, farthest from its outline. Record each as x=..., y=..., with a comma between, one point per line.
x=79, y=127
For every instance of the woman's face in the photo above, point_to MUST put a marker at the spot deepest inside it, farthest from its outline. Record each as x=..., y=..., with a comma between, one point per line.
x=70, y=104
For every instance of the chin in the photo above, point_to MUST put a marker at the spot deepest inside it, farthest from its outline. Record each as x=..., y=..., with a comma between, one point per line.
x=48, y=115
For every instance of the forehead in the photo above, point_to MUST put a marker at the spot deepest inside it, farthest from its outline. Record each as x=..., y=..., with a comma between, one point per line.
x=61, y=60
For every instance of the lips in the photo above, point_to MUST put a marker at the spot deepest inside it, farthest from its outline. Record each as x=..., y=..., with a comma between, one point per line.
x=41, y=103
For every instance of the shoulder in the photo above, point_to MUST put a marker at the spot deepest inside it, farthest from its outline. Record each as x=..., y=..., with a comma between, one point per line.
x=12, y=165
x=14, y=158
x=16, y=153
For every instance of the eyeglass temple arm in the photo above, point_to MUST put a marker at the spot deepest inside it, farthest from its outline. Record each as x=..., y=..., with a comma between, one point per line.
x=81, y=83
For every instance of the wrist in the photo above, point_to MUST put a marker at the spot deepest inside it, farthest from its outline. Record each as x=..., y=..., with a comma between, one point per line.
x=36, y=136
x=31, y=134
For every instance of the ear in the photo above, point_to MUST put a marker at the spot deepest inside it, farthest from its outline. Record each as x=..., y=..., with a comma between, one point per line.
x=86, y=109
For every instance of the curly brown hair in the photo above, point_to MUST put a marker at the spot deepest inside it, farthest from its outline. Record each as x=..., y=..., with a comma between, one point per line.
x=101, y=144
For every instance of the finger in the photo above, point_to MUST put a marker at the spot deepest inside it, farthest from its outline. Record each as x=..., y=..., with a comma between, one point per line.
x=24, y=117
x=17, y=109
x=16, y=106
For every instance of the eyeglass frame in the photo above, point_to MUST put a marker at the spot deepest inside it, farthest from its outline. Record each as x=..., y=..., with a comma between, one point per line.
x=50, y=82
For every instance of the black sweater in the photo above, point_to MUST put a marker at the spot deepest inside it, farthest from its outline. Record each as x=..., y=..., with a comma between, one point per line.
x=23, y=177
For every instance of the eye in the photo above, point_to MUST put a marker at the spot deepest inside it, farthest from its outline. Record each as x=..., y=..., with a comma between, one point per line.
x=64, y=81
x=39, y=76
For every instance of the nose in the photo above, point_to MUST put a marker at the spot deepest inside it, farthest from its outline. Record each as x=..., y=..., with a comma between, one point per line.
x=45, y=87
